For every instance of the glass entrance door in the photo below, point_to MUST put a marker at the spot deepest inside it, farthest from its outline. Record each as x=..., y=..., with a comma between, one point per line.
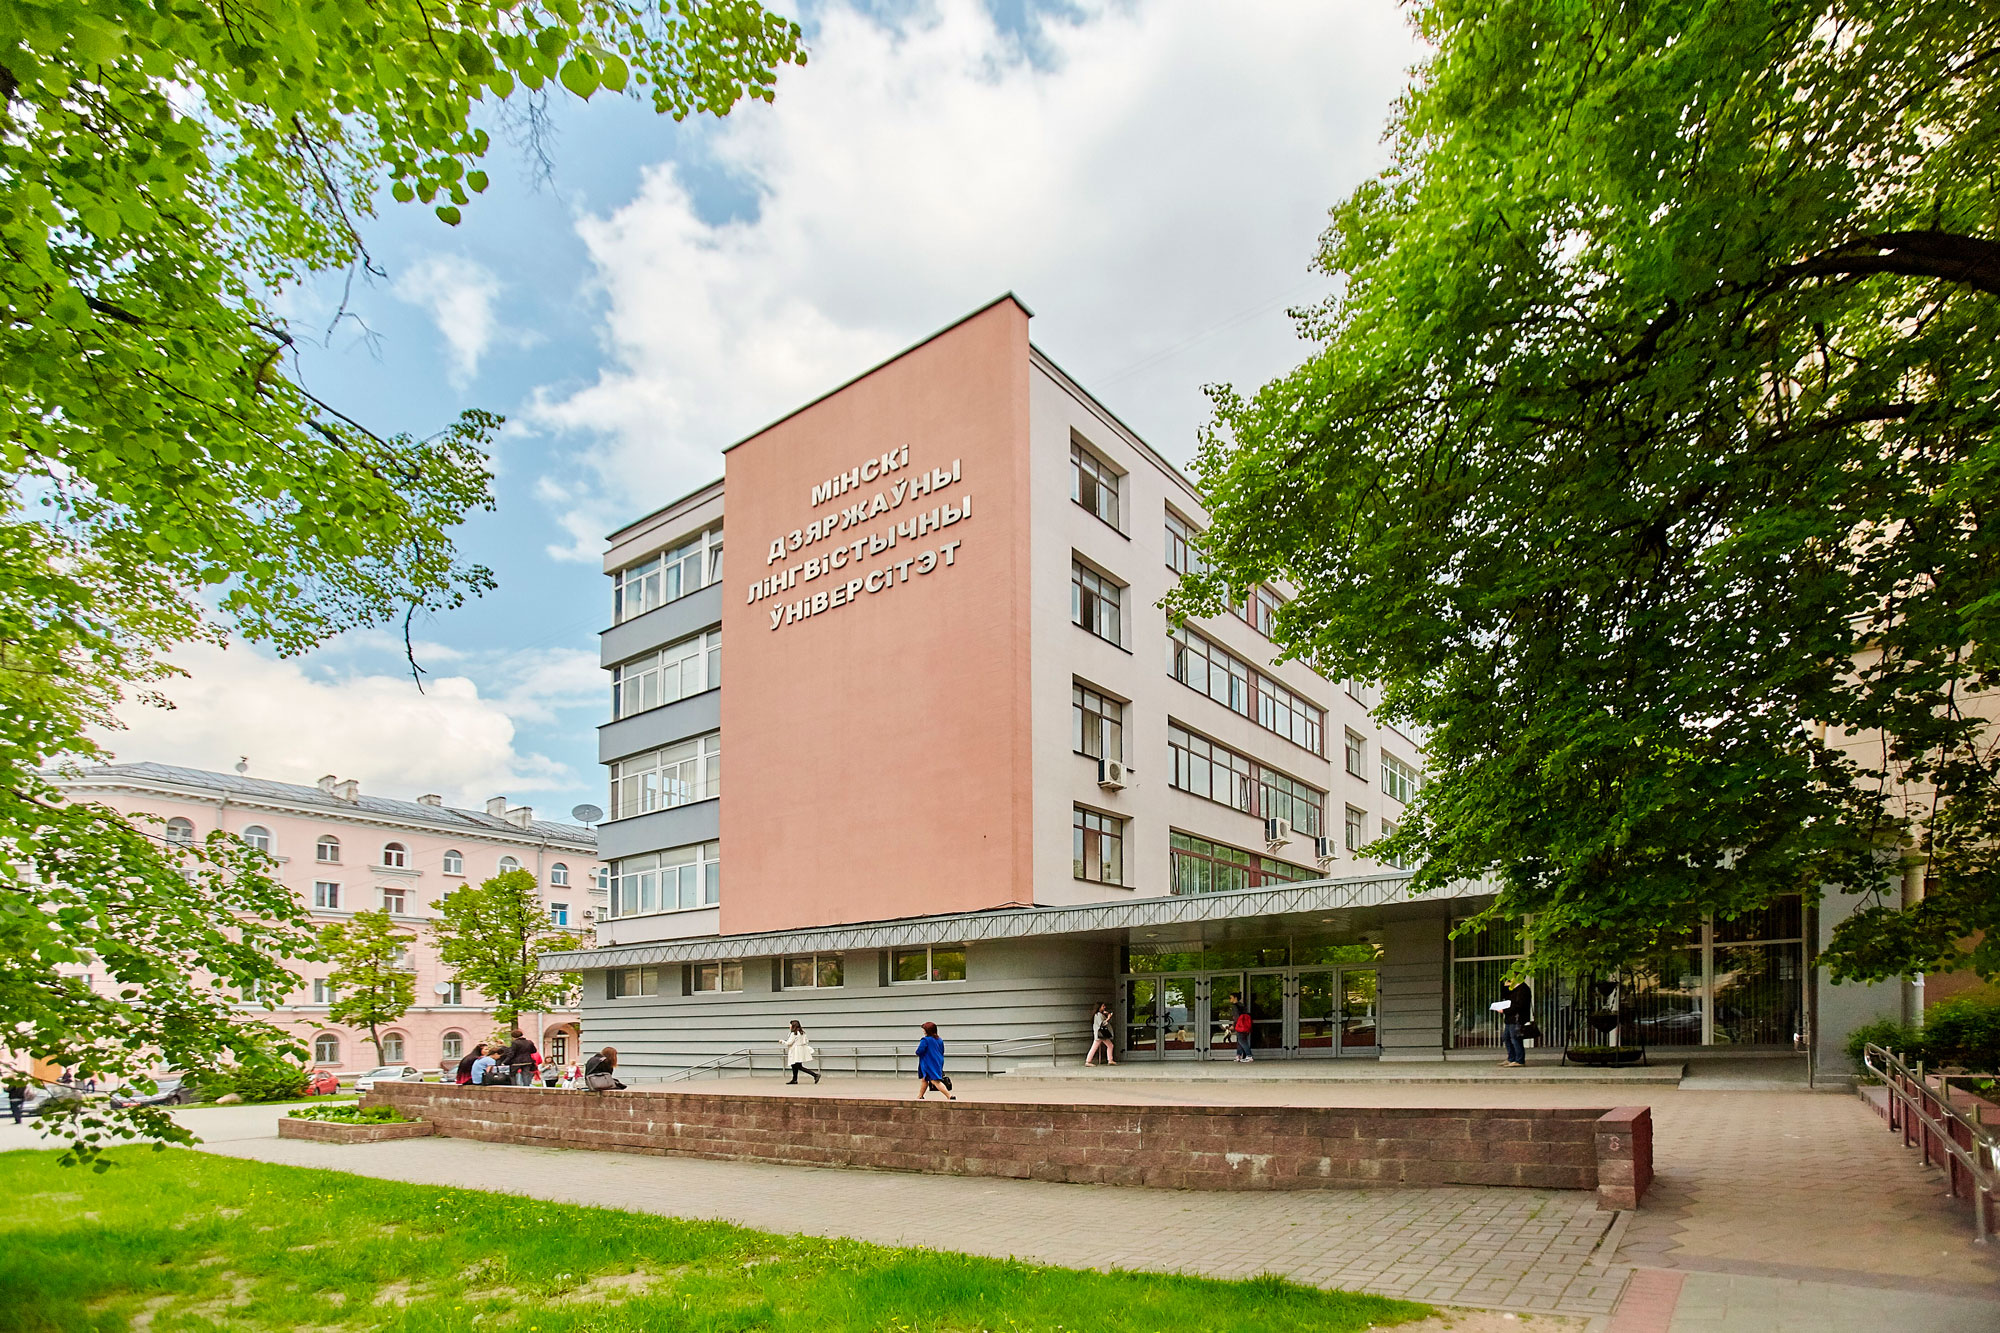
x=1180, y=1015
x=1267, y=1013
x=1336, y=1012
x=1357, y=1011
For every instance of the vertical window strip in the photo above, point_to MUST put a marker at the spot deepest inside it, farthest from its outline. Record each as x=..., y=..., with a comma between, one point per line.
x=1200, y=866
x=1093, y=484
x=1182, y=557
x=1095, y=603
x=1097, y=724
x=1098, y=846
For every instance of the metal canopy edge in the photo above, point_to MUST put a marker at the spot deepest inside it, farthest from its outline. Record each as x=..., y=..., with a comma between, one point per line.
x=1320, y=895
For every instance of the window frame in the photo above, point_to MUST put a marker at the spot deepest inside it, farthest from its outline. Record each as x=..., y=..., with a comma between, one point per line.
x=323, y=991
x=1266, y=600
x=1250, y=693
x=179, y=832
x=326, y=901
x=401, y=1047
x=451, y=1046
x=395, y=856
x=559, y=875
x=1254, y=870
x=702, y=859
x=930, y=953
x=646, y=674
x=507, y=864
x=1089, y=831
x=816, y=965
x=256, y=837
x=559, y=915
x=1355, y=753
x=455, y=997
x=321, y=845
x=641, y=978
x=454, y=862
x=1181, y=555
x=640, y=784
x=701, y=552
x=1088, y=601
x=395, y=899
x=326, y=1049
x=1354, y=828
x=723, y=970
x=1081, y=714
x=1104, y=478
x=1189, y=753
x=1399, y=779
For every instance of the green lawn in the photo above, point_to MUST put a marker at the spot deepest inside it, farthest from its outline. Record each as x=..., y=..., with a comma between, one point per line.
x=177, y=1241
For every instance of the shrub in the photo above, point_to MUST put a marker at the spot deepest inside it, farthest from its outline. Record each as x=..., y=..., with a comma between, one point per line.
x=265, y=1081
x=1901, y=1038
x=1964, y=1032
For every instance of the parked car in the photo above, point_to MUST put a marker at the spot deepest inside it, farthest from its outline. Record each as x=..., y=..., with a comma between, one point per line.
x=169, y=1090
x=322, y=1083
x=48, y=1097
x=388, y=1074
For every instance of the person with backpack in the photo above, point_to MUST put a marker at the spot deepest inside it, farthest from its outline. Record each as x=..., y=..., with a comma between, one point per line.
x=1240, y=1025
x=1100, y=1035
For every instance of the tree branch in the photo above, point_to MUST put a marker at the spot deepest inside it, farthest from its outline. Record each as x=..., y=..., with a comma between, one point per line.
x=1972, y=261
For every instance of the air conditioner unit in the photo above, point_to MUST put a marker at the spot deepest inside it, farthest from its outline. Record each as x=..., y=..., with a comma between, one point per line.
x=590, y=914
x=1277, y=832
x=1110, y=773
x=1322, y=850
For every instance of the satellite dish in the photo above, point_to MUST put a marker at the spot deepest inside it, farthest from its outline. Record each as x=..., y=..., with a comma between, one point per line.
x=586, y=814
x=442, y=988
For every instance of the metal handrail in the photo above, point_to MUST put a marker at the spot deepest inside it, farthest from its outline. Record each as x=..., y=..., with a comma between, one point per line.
x=856, y=1052
x=747, y=1054
x=1969, y=1152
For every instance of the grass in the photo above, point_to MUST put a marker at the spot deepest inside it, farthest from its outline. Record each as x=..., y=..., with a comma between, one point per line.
x=179, y=1241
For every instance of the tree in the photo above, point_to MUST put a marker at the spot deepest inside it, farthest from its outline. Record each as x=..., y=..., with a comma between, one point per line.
x=371, y=980
x=168, y=173
x=1649, y=451
x=492, y=937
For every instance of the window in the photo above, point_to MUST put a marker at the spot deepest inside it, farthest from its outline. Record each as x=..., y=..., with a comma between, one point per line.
x=813, y=971
x=662, y=779
x=392, y=1048
x=257, y=837
x=559, y=1050
x=395, y=856
x=675, y=672
x=1357, y=829
x=323, y=992
x=693, y=564
x=180, y=832
x=1200, y=866
x=718, y=977
x=1259, y=610
x=1182, y=557
x=393, y=901
x=1201, y=665
x=1095, y=603
x=1357, y=756
x=452, y=1046
x=327, y=850
x=559, y=876
x=454, y=863
x=676, y=880
x=508, y=863
x=1389, y=831
x=326, y=1049
x=1398, y=778
x=1092, y=483
x=1214, y=772
x=559, y=914
x=1097, y=724
x=625, y=983
x=454, y=993
x=403, y=962
x=1097, y=844
x=326, y=895
x=604, y=879
x=936, y=963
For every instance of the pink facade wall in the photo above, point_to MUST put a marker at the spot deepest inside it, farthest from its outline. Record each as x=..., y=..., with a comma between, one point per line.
x=362, y=878
x=879, y=746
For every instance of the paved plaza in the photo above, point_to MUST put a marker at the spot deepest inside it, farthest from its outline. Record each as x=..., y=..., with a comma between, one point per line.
x=1771, y=1209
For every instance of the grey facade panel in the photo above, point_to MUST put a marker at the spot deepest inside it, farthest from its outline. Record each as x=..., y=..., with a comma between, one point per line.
x=1411, y=999
x=684, y=824
x=1014, y=991
x=662, y=625
x=696, y=715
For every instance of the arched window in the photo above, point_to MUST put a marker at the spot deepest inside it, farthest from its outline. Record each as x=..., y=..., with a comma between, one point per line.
x=454, y=863
x=559, y=875
x=326, y=1049
x=180, y=832
x=396, y=855
x=453, y=1046
x=257, y=836
x=508, y=863
x=392, y=1048
x=604, y=879
x=327, y=848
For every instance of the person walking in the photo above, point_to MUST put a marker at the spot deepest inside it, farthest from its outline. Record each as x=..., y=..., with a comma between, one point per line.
x=930, y=1065
x=799, y=1052
x=1240, y=1025
x=1100, y=1035
x=1520, y=1012
x=17, y=1094
x=600, y=1071
x=521, y=1059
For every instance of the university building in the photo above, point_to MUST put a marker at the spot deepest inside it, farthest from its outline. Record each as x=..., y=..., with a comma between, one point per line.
x=342, y=851
x=975, y=778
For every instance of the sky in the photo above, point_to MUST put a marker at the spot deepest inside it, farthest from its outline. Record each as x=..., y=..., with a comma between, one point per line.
x=1150, y=177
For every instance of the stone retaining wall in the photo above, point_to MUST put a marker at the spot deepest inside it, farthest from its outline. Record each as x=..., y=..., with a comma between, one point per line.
x=335, y=1131
x=1170, y=1147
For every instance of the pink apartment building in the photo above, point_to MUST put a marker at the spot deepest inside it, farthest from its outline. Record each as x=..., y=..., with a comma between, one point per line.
x=344, y=852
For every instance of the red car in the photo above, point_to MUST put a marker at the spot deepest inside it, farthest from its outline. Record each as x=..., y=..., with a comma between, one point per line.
x=322, y=1083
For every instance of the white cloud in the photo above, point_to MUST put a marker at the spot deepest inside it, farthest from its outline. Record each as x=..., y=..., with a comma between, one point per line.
x=459, y=295
x=1152, y=186
x=296, y=724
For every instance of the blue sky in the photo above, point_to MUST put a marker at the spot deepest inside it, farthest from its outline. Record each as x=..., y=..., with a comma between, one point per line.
x=1150, y=178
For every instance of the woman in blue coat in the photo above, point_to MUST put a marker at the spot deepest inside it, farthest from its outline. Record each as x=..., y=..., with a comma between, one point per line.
x=930, y=1065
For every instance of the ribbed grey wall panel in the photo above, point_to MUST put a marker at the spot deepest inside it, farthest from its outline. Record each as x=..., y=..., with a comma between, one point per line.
x=696, y=715
x=661, y=625
x=1410, y=1005
x=700, y=822
x=1013, y=989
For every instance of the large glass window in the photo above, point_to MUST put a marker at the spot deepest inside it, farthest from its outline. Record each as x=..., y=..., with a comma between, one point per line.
x=675, y=880
x=638, y=588
x=1096, y=603
x=326, y=895
x=1214, y=772
x=1201, y=664
x=625, y=983
x=679, y=774
x=1098, y=843
x=1097, y=724
x=1182, y=557
x=675, y=672
x=1093, y=484
x=814, y=971
x=1398, y=778
x=718, y=977
x=1201, y=866
x=1282, y=797
x=938, y=962
x=1259, y=610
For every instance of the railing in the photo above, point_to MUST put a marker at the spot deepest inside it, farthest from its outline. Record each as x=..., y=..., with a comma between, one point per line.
x=881, y=1057
x=747, y=1057
x=1922, y=1112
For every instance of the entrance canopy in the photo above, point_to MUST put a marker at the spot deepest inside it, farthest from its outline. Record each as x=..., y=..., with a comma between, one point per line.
x=1321, y=899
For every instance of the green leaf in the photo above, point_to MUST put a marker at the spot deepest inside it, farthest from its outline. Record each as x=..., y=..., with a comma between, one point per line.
x=448, y=214
x=579, y=75
x=477, y=180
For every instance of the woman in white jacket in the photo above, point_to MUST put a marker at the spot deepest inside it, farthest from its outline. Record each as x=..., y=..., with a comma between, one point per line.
x=799, y=1052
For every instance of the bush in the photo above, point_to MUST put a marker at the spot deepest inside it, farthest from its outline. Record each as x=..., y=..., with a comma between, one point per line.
x=1963, y=1032
x=266, y=1081
x=1901, y=1038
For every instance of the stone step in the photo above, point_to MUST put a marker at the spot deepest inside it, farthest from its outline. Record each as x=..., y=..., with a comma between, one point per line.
x=1352, y=1071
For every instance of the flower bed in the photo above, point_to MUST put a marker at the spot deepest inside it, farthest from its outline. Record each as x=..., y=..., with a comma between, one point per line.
x=352, y=1124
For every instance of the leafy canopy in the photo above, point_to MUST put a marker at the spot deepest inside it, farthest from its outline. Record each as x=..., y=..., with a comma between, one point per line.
x=372, y=982
x=492, y=936
x=1648, y=457
x=168, y=172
